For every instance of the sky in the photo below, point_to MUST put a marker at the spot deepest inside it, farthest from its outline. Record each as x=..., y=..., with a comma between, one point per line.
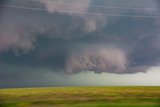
x=79, y=43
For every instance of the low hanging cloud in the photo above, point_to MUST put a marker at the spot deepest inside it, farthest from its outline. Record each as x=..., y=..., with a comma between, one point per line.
x=97, y=59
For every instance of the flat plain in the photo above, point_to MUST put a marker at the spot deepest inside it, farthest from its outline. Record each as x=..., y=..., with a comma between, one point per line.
x=81, y=97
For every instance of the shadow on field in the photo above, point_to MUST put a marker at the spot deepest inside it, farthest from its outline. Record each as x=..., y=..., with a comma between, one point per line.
x=1, y=102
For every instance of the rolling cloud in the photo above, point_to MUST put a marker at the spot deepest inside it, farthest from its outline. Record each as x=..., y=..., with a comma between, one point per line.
x=97, y=59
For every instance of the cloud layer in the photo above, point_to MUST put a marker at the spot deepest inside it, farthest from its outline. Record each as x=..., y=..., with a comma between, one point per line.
x=72, y=41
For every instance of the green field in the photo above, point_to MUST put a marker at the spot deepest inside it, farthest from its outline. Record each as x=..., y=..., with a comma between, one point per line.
x=81, y=97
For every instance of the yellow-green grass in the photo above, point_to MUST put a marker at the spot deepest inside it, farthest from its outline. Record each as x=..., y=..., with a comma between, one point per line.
x=81, y=97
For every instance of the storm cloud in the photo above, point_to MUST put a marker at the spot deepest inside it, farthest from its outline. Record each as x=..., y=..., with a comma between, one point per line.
x=96, y=59
x=110, y=36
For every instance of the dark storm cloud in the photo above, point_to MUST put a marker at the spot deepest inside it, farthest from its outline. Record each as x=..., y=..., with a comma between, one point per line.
x=79, y=42
x=3, y=1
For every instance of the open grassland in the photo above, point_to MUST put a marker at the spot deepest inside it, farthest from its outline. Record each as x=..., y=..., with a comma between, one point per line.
x=81, y=97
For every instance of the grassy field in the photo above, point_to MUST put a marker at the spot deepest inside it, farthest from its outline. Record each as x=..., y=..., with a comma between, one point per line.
x=81, y=97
